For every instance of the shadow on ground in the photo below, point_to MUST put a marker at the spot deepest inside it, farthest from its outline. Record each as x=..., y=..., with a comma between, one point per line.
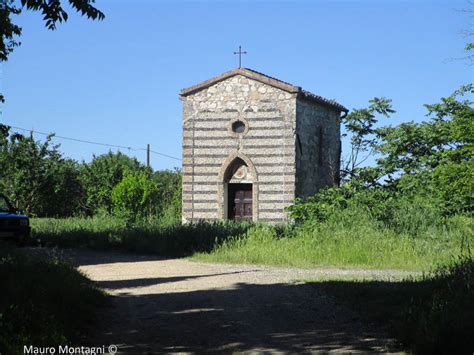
x=84, y=257
x=382, y=302
x=166, y=313
x=144, y=282
x=275, y=317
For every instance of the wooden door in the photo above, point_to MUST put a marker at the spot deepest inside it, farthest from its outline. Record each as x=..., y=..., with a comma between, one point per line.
x=240, y=201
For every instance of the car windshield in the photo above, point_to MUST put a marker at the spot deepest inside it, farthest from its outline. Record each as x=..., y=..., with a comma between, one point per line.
x=4, y=205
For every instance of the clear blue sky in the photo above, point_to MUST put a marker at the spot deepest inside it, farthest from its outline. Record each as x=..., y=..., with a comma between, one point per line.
x=117, y=81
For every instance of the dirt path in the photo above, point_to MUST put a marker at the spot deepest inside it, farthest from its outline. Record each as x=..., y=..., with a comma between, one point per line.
x=178, y=305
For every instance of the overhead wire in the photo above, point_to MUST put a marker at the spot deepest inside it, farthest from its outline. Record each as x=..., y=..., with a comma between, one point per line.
x=92, y=142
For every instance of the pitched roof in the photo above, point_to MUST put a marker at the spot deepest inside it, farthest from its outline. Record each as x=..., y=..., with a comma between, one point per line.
x=252, y=74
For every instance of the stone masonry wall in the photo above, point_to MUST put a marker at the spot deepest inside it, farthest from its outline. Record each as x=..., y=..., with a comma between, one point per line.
x=209, y=145
x=318, y=145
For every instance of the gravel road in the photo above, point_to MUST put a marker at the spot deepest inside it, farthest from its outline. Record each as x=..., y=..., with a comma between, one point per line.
x=177, y=305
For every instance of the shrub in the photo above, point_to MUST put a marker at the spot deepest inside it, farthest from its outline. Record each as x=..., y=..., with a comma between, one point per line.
x=101, y=175
x=321, y=205
x=404, y=213
x=134, y=197
x=171, y=213
x=454, y=183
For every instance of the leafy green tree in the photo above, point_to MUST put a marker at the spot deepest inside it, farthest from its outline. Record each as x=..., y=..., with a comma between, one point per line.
x=423, y=171
x=36, y=176
x=170, y=212
x=447, y=136
x=453, y=183
x=100, y=176
x=167, y=182
x=135, y=197
x=361, y=126
x=435, y=157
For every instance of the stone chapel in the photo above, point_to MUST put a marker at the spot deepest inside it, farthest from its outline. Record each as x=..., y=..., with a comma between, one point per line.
x=252, y=144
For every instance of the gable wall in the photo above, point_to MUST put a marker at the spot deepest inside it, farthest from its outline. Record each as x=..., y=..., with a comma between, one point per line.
x=208, y=143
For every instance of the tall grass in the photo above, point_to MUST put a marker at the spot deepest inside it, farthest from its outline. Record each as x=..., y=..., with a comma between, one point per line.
x=350, y=238
x=150, y=236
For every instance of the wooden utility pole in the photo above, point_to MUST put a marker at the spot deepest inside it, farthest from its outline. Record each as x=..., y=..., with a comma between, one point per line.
x=147, y=155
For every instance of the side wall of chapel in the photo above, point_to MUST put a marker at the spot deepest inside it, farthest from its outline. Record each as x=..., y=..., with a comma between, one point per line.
x=318, y=147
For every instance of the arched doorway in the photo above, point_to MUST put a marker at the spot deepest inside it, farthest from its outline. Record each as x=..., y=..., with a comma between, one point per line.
x=239, y=189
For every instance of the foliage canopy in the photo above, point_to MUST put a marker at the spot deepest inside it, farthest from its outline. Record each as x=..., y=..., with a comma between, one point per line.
x=430, y=162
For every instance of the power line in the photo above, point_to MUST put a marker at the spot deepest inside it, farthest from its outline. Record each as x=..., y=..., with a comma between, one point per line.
x=162, y=154
x=72, y=139
x=91, y=142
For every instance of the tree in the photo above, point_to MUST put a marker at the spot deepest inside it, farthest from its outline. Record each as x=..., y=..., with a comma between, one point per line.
x=448, y=136
x=361, y=126
x=435, y=156
x=168, y=205
x=36, y=176
x=167, y=182
x=427, y=167
x=100, y=176
x=171, y=214
x=52, y=11
x=135, y=197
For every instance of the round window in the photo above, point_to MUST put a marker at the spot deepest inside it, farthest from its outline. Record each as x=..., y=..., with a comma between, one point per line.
x=238, y=127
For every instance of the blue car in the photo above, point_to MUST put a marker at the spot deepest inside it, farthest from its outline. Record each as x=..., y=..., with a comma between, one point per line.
x=13, y=224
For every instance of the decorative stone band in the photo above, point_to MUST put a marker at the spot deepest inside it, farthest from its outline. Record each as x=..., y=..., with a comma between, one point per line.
x=206, y=165
x=261, y=200
x=287, y=202
x=256, y=160
x=205, y=129
x=197, y=210
x=213, y=165
x=234, y=145
x=213, y=184
x=204, y=174
x=250, y=119
x=225, y=129
x=198, y=219
x=271, y=210
x=274, y=192
x=198, y=201
x=229, y=138
x=264, y=220
x=289, y=174
x=263, y=210
x=266, y=155
x=200, y=192
x=273, y=182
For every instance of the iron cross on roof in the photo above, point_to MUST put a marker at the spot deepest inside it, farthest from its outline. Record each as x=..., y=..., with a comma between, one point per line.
x=240, y=55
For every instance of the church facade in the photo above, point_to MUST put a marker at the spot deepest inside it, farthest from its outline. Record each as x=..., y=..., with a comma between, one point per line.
x=252, y=144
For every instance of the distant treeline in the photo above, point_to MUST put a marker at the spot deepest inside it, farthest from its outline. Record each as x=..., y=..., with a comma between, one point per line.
x=429, y=165
x=37, y=177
